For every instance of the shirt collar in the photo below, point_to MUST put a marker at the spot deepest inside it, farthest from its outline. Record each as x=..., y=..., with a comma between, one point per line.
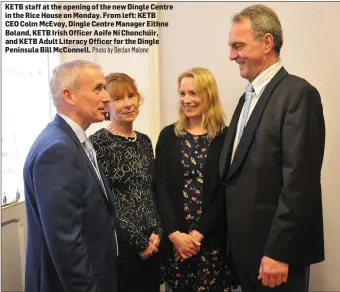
x=79, y=131
x=261, y=81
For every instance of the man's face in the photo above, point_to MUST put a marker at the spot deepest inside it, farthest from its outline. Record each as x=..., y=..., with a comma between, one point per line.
x=245, y=50
x=90, y=97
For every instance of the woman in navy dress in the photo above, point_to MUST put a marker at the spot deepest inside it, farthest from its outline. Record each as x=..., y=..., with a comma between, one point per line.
x=188, y=193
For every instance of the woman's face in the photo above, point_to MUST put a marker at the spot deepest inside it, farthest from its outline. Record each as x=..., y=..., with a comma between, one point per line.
x=124, y=105
x=192, y=105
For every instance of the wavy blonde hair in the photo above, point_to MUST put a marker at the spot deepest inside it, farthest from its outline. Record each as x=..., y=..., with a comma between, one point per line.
x=213, y=118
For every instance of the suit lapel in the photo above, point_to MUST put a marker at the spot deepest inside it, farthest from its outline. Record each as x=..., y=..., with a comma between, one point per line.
x=93, y=171
x=253, y=122
x=60, y=122
x=229, y=139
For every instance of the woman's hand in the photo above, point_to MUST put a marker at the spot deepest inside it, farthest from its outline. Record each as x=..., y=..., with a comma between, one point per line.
x=146, y=253
x=155, y=240
x=185, y=244
x=197, y=236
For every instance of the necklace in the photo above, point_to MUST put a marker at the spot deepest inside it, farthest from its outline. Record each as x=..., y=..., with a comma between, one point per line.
x=115, y=132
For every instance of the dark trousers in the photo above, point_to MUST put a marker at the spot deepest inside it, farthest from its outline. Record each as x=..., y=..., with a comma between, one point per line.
x=137, y=275
x=298, y=281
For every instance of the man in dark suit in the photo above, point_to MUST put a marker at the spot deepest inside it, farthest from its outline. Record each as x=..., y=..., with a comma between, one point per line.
x=72, y=244
x=270, y=163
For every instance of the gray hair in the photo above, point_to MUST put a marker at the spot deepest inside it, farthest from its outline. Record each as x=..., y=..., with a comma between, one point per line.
x=65, y=76
x=263, y=20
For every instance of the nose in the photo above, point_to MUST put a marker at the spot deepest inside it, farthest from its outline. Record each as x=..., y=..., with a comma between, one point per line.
x=232, y=55
x=127, y=102
x=106, y=97
x=187, y=98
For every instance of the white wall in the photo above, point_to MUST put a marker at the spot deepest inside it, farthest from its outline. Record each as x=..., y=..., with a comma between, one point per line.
x=198, y=36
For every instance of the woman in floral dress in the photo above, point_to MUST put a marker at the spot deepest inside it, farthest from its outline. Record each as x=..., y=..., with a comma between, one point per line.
x=188, y=193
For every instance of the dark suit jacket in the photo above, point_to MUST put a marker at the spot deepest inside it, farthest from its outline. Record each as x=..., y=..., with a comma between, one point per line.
x=71, y=245
x=273, y=190
x=170, y=183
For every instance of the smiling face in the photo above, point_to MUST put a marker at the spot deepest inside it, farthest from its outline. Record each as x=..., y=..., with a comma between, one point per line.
x=124, y=104
x=249, y=53
x=192, y=105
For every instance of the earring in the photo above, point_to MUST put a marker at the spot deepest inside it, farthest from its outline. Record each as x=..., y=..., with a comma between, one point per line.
x=107, y=116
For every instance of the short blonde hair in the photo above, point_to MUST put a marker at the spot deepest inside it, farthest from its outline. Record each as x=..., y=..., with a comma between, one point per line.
x=205, y=86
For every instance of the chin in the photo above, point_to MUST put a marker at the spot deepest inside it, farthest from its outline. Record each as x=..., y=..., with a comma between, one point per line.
x=100, y=118
x=244, y=74
x=192, y=115
x=129, y=120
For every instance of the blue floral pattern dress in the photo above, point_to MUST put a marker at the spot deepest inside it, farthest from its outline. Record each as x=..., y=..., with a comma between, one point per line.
x=205, y=271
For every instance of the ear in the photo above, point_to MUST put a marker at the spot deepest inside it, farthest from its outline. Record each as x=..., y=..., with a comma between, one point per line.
x=268, y=42
x=68, y=96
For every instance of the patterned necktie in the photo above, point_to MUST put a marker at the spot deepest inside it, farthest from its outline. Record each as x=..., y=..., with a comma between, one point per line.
x=246, y=106
x=92, y=155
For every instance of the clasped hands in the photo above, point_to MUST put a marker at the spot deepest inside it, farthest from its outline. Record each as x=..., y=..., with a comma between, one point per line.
x=185, y=245
x=273, y=273
x=154, y=242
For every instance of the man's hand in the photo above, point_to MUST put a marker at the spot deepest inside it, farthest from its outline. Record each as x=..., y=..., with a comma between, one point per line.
x=273, y=273
x=185, y=245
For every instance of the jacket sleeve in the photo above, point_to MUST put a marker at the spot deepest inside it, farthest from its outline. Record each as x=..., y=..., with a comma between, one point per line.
x=132, y=232
x=303, y=139
x=163, y=199
x=211, y=217
x=158, y=229
x=59, y=200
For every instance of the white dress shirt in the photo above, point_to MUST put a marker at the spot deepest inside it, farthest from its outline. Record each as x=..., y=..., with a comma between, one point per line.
x=81, y=135
x=79, y=131
x=259, y=84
